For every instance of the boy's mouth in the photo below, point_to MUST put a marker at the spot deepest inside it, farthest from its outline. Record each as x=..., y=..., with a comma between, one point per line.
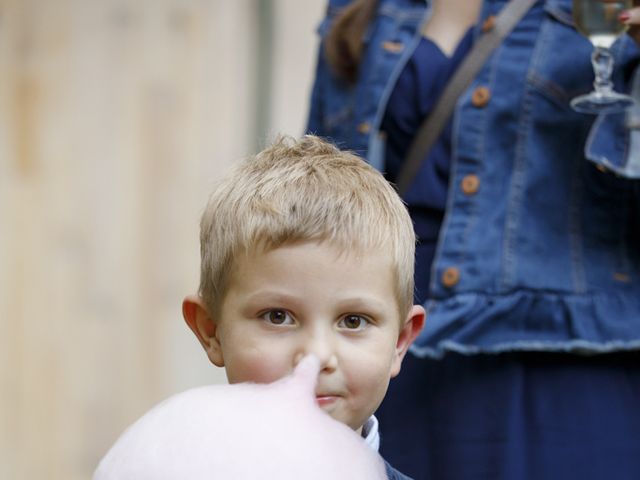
x=326, y=400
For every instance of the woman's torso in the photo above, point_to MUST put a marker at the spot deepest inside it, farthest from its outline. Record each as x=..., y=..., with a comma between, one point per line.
x=532, y=227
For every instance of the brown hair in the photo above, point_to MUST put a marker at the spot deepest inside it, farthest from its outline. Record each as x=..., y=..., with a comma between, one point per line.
x=343, y=45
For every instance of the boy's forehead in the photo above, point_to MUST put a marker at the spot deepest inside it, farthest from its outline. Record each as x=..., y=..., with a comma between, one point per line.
x=338, y=247
x=337, y=254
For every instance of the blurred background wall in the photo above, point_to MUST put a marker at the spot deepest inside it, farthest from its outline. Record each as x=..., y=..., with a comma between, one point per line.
x=115, y=118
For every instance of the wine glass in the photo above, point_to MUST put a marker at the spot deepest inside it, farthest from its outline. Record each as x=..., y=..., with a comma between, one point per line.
x=598, y=21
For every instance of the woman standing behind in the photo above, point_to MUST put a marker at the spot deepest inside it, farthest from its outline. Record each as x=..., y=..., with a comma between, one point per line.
x=529, y=237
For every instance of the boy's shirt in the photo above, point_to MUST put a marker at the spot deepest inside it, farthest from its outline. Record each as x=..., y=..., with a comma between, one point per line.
x=371, y=434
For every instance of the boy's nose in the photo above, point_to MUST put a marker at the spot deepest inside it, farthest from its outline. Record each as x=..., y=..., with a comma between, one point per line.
x=322, y=347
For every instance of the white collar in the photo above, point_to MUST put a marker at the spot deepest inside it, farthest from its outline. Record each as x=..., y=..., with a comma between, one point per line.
x=370, y=433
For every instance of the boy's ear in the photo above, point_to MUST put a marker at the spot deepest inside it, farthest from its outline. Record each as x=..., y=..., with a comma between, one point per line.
x=411, y=329
x=197, y=316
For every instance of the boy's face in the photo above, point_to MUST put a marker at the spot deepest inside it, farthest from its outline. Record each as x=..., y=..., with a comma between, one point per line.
x=310, y=298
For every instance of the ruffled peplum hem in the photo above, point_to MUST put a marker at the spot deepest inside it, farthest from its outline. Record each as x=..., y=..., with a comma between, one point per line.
x=523, y=320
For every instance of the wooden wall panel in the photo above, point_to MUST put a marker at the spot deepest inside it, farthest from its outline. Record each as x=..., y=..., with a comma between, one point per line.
x=115, y=118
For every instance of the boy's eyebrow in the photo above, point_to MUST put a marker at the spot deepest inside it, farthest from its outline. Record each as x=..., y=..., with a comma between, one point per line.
x=272, y=296
x=362, y=302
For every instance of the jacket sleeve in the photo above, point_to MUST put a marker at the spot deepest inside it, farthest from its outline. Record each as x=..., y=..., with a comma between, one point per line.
x=614, y=140
x=314, y=120
x=322, y=72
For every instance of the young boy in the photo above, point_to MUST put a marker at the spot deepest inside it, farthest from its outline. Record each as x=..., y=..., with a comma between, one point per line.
x=308, y=250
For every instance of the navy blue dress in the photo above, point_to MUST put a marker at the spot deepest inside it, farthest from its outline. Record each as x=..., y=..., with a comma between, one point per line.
x=415, y=93
x=511, y=416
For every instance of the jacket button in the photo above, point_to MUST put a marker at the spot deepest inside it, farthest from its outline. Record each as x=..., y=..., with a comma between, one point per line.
x=480, y=97
x=470, y=184
x=621, y=277
x=488, y=24
x=392, y=47
x=364, y=127
x=450, y=277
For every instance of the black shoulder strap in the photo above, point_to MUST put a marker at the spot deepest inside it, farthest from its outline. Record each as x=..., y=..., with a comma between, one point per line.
x=433, y=125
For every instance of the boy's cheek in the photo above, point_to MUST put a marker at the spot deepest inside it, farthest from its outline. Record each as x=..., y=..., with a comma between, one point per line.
x=257, y=368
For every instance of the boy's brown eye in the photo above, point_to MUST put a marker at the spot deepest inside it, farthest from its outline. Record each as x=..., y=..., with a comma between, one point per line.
x=353, y=322
x=277, y=317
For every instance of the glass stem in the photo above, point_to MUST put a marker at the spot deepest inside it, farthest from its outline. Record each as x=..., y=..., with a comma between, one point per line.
x=602, y=62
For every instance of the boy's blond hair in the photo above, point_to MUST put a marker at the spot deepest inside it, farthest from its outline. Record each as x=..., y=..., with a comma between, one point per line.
x=304, y=190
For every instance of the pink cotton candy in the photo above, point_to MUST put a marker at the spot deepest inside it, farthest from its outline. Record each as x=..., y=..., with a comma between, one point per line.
x=242, y=432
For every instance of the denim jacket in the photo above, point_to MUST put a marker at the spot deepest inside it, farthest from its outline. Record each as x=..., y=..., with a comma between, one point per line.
x=540, y=245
